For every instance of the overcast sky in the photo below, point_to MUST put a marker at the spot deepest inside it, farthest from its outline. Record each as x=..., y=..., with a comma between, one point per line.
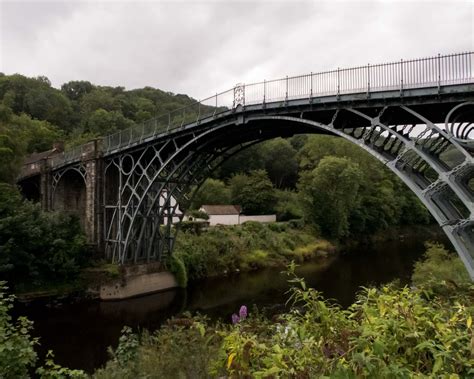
x=201, y=47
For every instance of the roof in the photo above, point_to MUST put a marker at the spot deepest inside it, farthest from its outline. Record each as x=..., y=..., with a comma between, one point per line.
x=35, y=157
x=221, y=209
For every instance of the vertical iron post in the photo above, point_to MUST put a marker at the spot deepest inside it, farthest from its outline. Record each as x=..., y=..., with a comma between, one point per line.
x=286, y=94
x=311, y=86
x=338, y=87
x=264, y=91
x=401, y=78
x=119, y=212
x=439, y=73
x=368, y=80
x=215, y=108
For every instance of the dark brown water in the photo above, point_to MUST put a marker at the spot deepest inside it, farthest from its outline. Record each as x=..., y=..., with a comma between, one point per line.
x=80, y=333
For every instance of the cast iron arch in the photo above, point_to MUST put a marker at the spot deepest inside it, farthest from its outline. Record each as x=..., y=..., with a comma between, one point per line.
x=408, y=155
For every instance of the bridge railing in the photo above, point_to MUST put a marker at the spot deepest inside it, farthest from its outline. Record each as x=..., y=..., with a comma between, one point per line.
x=70, y=155
x=417, y=73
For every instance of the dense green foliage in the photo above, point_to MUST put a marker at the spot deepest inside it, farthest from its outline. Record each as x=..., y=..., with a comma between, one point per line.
x=440, y=267
x=35, y=246
x=389, y=332
x=254, y=192
x=333, y=184
x=378, y=198
x=244, y=247
x=329, y=192
x=17, y=353
x=33, y=114
x=212, y=191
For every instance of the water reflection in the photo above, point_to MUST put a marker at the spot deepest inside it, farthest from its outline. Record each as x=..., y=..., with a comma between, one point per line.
x=80, y=333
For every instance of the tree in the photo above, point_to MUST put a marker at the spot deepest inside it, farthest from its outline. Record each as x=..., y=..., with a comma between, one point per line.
x=76, y=89
x=97, y=99
x=11, y=155
x=20, y=135
x=280, y=162
x=253, y=192
x=329, y=193
x=36, y=246
x=212, y=192
x=245, y=161
x=298, y=141
x=102, y=122
x=288, y=205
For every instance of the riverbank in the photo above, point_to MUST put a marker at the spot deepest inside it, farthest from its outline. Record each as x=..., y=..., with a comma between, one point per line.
x=85, y=286
x=221, y=250
x=224, y=250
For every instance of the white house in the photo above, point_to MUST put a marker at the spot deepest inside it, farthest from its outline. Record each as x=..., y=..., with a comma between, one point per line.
x=231, y=215
x=222, y=214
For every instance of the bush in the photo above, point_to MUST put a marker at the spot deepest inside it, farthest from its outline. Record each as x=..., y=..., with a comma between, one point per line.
x=183, y=348
x=178, y=268
x=194, y=226
x=438, y=267
x=254, y=259
x=278, y=226
x=296, y=223
x=288, y=206
x=197, y=214
x=245, y=247
x=36, y=246
x=17, y=355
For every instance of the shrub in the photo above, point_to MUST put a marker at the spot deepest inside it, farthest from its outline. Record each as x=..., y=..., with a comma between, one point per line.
x=183, y=348
x=197, y=214
x=37, y=246
x=249, y=246
x=194, y=226
x=296, y=223
x=254, y=259
x=439, y=266
x=17, y=355
x=178, y=268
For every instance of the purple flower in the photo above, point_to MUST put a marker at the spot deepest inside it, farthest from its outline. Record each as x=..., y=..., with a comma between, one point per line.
x=235, y=319
x=243, y=312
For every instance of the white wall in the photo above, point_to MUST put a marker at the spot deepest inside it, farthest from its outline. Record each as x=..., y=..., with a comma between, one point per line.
x=177, y=211
x=259, y=218
x=223, y=219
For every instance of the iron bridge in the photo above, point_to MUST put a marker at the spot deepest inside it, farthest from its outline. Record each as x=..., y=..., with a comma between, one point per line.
x=415, y=116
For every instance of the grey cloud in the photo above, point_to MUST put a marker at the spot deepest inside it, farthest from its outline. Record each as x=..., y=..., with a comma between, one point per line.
x=203, y=47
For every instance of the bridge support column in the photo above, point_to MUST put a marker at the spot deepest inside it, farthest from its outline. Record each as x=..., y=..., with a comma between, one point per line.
x=45, y=186
x=92, y=161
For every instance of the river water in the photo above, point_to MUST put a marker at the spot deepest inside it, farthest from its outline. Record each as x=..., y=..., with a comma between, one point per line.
x=79, y=333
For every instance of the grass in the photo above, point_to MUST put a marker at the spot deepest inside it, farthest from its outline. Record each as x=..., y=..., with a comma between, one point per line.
x=246, y=247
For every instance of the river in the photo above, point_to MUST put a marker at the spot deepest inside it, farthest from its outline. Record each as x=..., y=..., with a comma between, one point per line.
x=80, y=332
